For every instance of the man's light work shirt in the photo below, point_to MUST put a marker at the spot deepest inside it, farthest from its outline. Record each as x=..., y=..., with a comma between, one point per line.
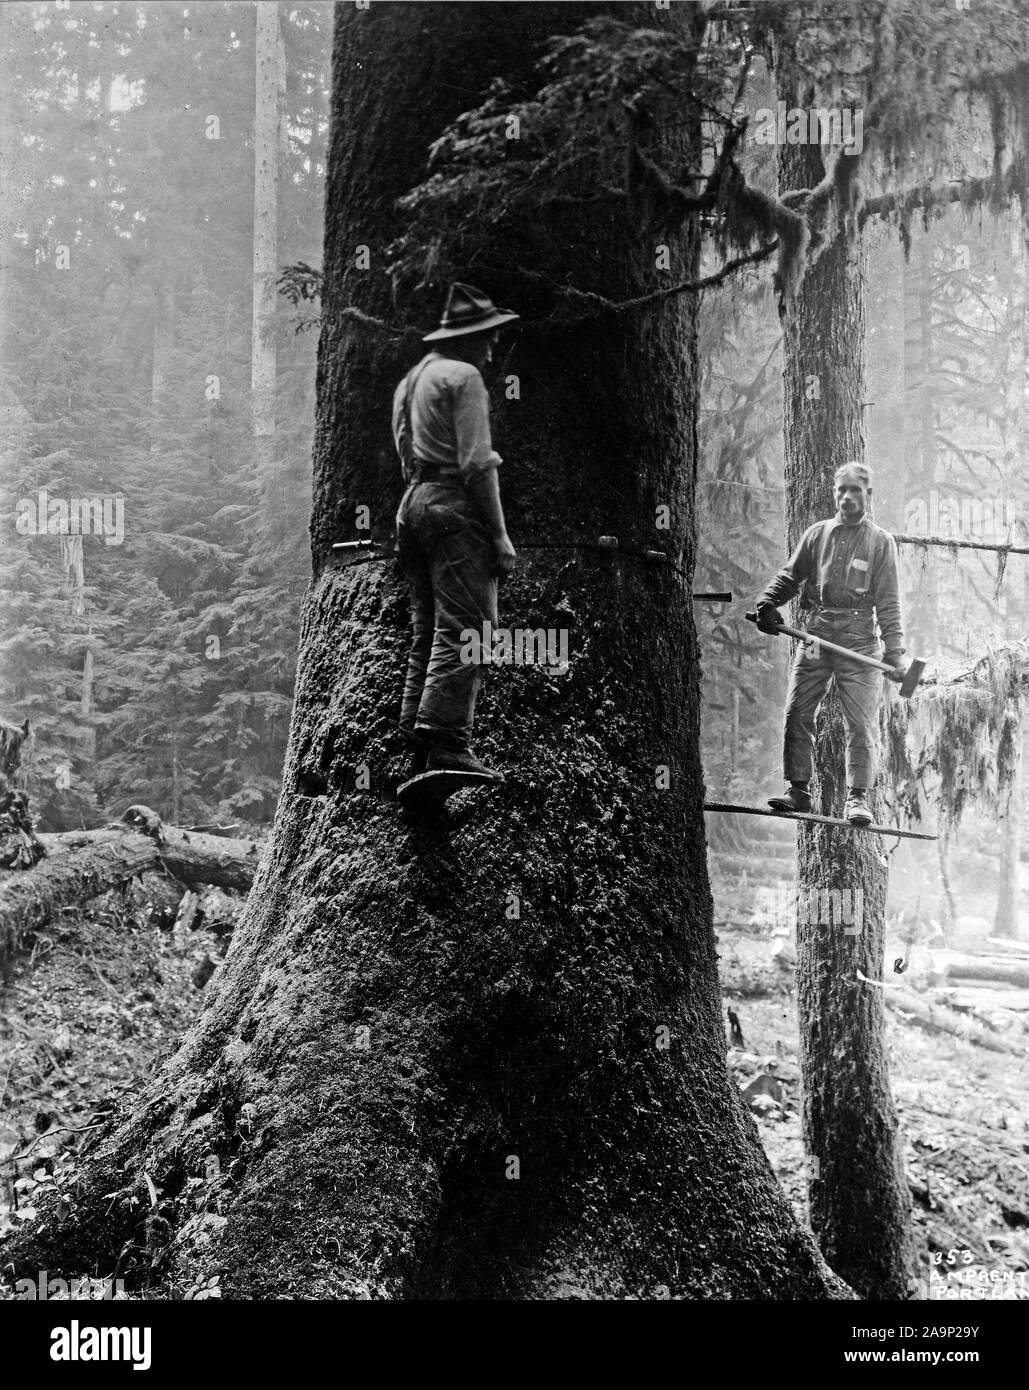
x=839, y=566
x=449, y=418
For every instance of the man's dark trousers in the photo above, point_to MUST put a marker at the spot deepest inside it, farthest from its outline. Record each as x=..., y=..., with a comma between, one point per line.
x=447, y=555
x=859, y=689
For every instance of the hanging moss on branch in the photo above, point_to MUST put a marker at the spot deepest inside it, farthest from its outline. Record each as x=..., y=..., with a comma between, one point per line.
x=957, y=740
x=602, y=132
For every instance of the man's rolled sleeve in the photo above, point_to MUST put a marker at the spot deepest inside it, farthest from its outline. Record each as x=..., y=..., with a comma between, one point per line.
x=475, y=452
x=399, y=422
x=789, y=581
x=886, y=591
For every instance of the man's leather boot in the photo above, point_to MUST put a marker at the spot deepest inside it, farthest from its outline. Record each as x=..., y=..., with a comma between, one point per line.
x=443, y=759
x=796, y=798
x=419, y=744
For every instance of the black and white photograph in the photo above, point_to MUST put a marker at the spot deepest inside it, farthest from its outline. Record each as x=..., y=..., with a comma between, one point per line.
x=514, y=675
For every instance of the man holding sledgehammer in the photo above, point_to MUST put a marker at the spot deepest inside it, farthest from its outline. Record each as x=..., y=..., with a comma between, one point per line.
x=845, y=570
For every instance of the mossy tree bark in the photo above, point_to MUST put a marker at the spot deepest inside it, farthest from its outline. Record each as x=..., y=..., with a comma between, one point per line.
x=483, y=1058
x=858, y=1197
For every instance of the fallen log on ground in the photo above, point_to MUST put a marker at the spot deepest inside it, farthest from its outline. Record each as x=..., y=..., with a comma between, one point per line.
x=961, y=965
x=82, y=864
x=937, y=1019
x=983, y=998
x=1007, y=946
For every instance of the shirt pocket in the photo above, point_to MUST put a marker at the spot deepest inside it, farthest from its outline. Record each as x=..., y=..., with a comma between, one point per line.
x=859, y=573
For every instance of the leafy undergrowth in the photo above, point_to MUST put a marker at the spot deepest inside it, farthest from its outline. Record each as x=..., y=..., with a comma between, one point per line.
x=962, y=1108
x=87, y=1014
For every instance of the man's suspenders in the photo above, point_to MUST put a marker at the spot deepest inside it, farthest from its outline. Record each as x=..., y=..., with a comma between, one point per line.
x=823, y=542
x=862, y=552
x=407, y=454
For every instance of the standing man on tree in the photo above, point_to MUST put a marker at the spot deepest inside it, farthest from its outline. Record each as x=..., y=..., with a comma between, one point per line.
x=845, y=570
x=451, y=536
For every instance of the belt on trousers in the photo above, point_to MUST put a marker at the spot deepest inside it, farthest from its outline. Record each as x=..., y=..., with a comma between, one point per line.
x=856, y=611
x=433, y=473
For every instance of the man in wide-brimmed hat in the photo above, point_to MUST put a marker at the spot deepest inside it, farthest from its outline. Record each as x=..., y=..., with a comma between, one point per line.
x=451, y=535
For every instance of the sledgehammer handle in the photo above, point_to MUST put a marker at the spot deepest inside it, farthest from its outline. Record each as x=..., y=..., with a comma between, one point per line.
x=889, y=671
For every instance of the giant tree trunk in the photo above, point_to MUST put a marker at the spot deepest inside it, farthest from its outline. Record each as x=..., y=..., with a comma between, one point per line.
x=858, y=1200
x=485, y=1058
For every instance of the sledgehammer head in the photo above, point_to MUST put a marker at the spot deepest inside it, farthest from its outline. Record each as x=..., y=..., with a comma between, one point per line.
x=911, y=677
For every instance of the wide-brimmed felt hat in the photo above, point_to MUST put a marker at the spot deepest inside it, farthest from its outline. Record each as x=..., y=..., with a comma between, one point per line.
x=468, y=310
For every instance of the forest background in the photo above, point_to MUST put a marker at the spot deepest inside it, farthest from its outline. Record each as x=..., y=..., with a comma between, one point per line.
x=147, y=360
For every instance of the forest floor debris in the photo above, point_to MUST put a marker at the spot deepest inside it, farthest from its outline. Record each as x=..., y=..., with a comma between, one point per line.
x=963, y=1109
x=101, y=996
x=86, y=1013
